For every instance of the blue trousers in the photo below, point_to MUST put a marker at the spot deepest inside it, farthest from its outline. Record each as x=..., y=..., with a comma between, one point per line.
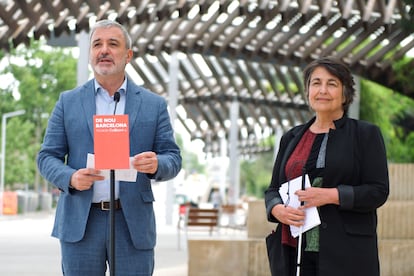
x=90, y=256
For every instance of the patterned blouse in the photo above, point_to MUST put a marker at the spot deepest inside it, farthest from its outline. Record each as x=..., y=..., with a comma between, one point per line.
x=308, y=157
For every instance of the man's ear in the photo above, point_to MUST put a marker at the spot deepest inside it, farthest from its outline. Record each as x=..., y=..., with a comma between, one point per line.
x=130, y=54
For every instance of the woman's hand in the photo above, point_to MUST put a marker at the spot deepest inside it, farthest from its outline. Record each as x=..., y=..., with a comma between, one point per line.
x=288, y=215
x=315, y=197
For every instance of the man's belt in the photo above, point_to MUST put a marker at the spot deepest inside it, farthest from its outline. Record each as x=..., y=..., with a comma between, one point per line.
x=105, y=205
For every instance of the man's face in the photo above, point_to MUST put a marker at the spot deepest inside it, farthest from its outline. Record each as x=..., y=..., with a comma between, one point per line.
x=108, y=53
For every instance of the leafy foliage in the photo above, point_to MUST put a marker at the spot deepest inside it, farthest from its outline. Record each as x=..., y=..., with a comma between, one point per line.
x=190, y=162
x=20, y=152
x=393, y=113
x=38, y=75
x=404, y=74
x=255, y=174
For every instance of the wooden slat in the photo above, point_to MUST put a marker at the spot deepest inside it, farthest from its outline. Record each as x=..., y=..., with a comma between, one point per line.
x=197, y=217
x=401, y=181
x=267, y=32
x=396, y=220
x=346, y=8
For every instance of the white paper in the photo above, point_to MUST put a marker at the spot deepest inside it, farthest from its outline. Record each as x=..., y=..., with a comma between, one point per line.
x=129, y=175
x=312, y=218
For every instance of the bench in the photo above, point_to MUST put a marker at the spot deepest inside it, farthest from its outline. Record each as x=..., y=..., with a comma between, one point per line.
x=198, y=219
x=233, y=217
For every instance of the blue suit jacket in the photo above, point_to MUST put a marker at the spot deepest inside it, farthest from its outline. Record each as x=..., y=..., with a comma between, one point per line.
x=68, y=139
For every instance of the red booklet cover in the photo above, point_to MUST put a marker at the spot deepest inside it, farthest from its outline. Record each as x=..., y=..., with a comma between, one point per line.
x=111, y=142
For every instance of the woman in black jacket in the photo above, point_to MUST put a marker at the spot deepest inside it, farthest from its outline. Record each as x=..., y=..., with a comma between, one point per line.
x=345, y=160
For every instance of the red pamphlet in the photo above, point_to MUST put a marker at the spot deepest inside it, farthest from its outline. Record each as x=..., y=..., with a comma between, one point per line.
x=111, y=142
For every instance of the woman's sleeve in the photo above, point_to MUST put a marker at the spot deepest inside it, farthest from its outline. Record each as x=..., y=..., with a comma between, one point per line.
x=272, y=196
x=373, y=189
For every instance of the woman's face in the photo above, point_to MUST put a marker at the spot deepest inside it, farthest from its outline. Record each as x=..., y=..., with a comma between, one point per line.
x=325, y=92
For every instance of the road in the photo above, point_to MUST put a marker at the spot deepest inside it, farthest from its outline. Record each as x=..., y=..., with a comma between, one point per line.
x=27, y=249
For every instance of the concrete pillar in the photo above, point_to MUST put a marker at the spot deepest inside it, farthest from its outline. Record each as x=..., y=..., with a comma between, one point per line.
x=353, y=111
x=83, y=60
x=172, y=103
x=234, y=165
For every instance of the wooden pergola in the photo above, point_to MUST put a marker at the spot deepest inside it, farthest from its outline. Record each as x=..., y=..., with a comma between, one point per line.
x=249, y=52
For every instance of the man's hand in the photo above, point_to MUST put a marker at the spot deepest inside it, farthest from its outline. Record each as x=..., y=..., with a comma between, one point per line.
x=146, y=162
x=83, y=179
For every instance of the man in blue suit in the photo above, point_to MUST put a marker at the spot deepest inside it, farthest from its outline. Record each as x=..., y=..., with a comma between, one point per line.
x=82, y=219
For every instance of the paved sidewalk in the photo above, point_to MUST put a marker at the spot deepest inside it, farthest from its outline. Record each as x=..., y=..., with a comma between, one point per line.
x=169, y=261
x=27, y=249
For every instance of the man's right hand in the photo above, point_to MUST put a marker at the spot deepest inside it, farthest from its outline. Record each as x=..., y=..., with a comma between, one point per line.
x=83, y=179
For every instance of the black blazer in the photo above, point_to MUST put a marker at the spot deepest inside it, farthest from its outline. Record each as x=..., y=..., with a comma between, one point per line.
x=356, y=165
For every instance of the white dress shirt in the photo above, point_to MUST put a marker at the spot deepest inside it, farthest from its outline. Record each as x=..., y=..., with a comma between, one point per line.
x=105, y=105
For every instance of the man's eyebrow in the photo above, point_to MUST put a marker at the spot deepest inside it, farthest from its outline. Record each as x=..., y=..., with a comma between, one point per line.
x=111, y=39
x=114, y=39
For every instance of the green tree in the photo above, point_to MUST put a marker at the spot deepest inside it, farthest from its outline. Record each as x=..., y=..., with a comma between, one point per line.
x=40, y=74
x=255, y=174
x=404, y=74
x=190, y=160
x=388, y=110
x=19, y=162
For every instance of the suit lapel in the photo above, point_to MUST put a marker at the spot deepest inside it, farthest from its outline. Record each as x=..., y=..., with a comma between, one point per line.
x=87, y=95
x=133, y=103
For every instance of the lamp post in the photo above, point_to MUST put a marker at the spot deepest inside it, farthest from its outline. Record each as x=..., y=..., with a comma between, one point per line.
x=3, y=150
